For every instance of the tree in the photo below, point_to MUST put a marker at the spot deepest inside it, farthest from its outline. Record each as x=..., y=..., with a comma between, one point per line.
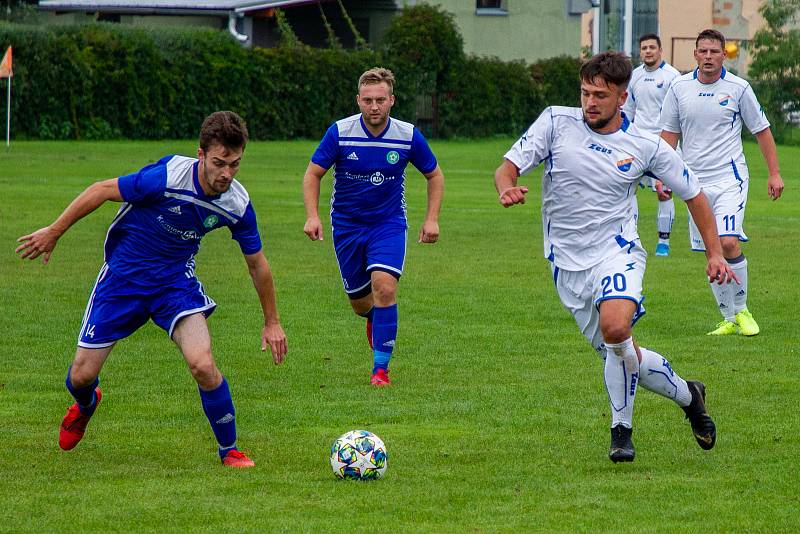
x=423, y=47
x=776, y=63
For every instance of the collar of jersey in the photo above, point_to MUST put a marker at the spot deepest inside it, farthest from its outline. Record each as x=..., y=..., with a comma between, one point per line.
x=721, y=76
x=369, y=134
x=197, y=187
x=663, y=62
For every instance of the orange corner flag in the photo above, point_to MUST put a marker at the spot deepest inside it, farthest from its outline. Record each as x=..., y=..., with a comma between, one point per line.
x=5, y=65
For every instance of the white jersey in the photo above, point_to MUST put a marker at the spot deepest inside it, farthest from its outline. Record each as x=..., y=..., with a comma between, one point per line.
x=709, y=118
x=646, y=92
x=589, y=180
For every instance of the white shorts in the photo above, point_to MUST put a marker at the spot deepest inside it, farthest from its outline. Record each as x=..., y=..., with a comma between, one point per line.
x=618, y=276
x=728, y=201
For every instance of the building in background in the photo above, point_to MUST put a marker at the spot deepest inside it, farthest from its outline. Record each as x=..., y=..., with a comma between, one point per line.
x=526, y=30
x=617, y=25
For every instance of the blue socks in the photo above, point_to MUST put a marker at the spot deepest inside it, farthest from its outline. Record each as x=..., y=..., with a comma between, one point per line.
x=384, y=332
x=218, y=407
x=85, y=396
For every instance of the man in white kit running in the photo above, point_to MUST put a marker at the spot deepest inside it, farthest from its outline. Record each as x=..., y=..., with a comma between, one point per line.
x=706, y=108
x=593, y=160
x=646, y=91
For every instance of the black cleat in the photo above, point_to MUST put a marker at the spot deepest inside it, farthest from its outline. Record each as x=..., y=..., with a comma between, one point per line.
x=621, y=445
x=703, y=428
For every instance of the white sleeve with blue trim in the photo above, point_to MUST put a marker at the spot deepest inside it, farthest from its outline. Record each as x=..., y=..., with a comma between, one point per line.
x=667, y=166
x=669, y=119
x=752, y=112
x=534, y=145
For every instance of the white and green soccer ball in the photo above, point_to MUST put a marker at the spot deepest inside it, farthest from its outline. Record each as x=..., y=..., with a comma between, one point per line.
x=359, y=455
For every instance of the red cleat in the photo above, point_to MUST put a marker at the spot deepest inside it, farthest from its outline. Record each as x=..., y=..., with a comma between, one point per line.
x=73, y=426
x=236, y=458
x=369, y=334
x=380, y=378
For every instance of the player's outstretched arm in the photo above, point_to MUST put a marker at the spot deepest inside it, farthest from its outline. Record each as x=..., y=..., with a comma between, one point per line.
x=505, y=181
x=43, y=241
x=717, y=269
x=429, y=233
x=767, y=145
x=272, y=334
x=311, y=186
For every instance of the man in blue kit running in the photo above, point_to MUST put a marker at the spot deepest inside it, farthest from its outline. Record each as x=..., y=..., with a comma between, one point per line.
x=167, y=208
x=370, y=152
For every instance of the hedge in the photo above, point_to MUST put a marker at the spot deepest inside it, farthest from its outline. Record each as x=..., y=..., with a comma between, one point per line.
x=103, y=81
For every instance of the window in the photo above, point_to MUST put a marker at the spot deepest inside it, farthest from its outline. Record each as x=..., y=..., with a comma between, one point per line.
x=491, y=7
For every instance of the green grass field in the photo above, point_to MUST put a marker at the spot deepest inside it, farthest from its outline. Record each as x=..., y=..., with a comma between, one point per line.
x=498, y=419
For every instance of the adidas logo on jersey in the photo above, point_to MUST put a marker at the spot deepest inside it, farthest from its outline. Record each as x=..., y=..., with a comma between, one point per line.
x=353, y=156
x=175, y=209
x=226, y=419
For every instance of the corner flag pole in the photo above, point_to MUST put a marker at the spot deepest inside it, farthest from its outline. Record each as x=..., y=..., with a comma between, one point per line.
x=7, y=72
x=8, y=115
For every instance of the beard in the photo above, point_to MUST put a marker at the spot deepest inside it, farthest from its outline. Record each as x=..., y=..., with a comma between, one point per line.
x=217, y=188
x=598, y=123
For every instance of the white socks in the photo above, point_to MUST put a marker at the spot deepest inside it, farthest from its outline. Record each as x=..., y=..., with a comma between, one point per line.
x=739, y=267
x=723, y=293
x=732, y=298
x=666, y=214
x=656, y=375
x=621, y=374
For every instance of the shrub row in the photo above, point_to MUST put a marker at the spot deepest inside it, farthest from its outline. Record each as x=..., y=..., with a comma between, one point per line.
x=103, y=81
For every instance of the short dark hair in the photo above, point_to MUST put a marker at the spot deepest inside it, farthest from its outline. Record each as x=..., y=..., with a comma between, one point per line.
x=649, y=37
x=225, y=128
x=611, y=67
x=711, y=35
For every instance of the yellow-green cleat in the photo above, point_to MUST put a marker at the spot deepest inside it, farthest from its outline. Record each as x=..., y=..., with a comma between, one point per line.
x=725, y=328
x=747, y=325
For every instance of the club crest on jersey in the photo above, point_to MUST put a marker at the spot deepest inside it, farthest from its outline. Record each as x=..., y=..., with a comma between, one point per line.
x=625, y=164
x=211, y=221
x=376, y=179
x=723, y=100
x=393, y=157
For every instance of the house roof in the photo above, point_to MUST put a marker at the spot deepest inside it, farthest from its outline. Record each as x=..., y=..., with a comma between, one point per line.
x=171, y=7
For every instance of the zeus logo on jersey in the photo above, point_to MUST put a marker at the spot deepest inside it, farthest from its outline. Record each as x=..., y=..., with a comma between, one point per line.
x=601, y=149
x=625, y=164
x=705, y=94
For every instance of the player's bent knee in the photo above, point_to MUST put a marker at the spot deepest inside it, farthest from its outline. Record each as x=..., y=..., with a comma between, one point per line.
x=616, y=332
x=205, y=373
x=730, y=247
x=81, y=376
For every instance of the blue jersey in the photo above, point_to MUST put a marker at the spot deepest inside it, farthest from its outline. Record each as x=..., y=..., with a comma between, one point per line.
x=369, y=174
x=165, y=214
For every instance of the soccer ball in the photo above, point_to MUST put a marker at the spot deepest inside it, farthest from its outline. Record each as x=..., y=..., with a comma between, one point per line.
x=359, y=455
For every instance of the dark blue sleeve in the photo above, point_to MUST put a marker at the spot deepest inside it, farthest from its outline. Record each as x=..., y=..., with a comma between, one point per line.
x=327, y=152
x=146, y=185
x=245, y=232
x=421, y=155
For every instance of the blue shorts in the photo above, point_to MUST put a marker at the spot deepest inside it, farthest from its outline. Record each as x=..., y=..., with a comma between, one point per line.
x=363, y=249
x=118, y=307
